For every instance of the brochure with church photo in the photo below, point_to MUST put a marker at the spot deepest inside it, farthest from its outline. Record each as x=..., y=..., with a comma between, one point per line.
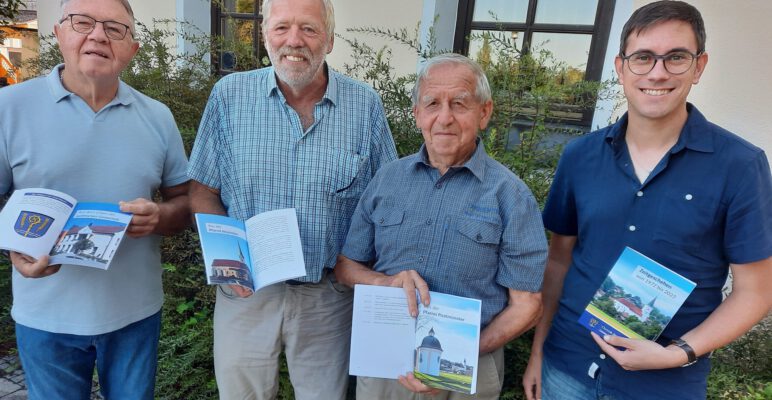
x=39, y=222
x=255, y=253
x=637, y=299
x=440, y=346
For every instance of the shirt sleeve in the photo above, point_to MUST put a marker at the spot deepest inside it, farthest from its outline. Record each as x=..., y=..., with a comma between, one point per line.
x=6, y=174
x=176, y=162
x=360, y=240
x=383, y=149
x=748, y=231
x=204, y=158
x=523, y=248
x=559, y=213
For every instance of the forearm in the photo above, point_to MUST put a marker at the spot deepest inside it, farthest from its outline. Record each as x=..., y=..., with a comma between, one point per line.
x=551, y=291
x=521, y=314
x=350, y=273
x=174, y=216
x=204, y=199
x=558, y=262
x=749, y=302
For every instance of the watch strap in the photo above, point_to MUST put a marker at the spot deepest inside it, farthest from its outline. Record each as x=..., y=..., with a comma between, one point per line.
x=691, y=356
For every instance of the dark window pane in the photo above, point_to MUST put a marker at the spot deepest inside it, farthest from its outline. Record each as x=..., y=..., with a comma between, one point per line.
x=15, y=58
x=573, y=49
x=504, y=10
x=577, y=12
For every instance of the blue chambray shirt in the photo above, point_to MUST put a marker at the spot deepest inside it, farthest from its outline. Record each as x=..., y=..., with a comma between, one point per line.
x=474, y=231
x=251, y=146
x=708, y=203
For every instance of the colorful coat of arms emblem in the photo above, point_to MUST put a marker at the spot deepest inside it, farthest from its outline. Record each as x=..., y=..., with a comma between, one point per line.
x=32, y=225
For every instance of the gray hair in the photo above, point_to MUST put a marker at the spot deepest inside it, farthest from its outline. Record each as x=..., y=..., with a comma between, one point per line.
x=124, y=3
x=664, y=11
x=482, y=89
x=328, y=17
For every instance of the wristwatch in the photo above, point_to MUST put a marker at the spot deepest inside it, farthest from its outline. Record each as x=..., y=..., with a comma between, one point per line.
x=691, y=357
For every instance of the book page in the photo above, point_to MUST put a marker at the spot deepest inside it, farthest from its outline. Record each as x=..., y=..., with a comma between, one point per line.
x=382, y=333
x=275, y=248
x=225, y=249
x=32, y=219
x=447, y=342
x=91, y=235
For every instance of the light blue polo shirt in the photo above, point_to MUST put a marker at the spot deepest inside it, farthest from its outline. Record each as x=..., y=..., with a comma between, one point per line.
x=50, y=138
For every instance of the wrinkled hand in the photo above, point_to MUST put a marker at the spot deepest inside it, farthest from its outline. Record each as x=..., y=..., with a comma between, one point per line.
x=29, y=267
x=241, y=291
x=413, y=384
x=145, y=219
x=532, y=378
x=640, y=354
x=410, y=281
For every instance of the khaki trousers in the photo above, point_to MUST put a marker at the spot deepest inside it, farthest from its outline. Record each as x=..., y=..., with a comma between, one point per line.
x=311, y=323
x=490, y=379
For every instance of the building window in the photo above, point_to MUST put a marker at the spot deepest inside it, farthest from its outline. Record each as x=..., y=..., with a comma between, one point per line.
x=237, y=23
x=575, y=31
x=15, y=58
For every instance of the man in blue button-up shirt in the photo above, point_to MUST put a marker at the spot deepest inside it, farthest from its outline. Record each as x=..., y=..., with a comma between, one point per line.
x=671, y=185
x=453, y=220
x=295, y=135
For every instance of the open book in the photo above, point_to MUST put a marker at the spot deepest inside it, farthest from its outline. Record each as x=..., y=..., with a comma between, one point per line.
x=39, y=222
x=255, y=253
x=637, y=299
x=441, y=346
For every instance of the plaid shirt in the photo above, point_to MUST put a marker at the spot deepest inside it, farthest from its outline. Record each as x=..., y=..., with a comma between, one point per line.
x=475, y=231
x=251, y=146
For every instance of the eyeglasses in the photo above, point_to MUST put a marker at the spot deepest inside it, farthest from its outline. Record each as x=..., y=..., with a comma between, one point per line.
x=675, y=62
x=85, y=25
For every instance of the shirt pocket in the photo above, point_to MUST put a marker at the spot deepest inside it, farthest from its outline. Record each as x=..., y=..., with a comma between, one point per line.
x=345, y=182
x=685, y=218
x=473, y=249
x=387, y=222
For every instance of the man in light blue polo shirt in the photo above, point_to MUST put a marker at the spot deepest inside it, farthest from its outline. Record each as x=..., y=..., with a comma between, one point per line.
x=453, y=220
x=673, y=186
x=295, y=135
x=82, y=131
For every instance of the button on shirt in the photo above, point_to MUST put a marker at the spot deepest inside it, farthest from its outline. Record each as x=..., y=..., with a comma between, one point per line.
x=708, y=203
x=251, y=146
x=474, y=231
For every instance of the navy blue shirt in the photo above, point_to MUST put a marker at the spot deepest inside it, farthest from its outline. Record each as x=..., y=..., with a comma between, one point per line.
x=708, y=203
x=474, y=231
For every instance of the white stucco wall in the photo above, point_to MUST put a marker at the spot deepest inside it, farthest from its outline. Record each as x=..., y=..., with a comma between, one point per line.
x=393, y=14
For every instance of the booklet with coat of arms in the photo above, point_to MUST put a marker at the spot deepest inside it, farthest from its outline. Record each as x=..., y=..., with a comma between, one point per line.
x=441, y=346
x=255, y=253
x=637, y=299
x=39, y=222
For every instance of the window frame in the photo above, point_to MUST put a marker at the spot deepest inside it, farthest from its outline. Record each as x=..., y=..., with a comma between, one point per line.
x=217, y=17
x=599, y=31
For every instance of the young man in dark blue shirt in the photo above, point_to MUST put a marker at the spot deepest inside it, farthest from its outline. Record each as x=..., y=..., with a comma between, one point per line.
x=671, y=185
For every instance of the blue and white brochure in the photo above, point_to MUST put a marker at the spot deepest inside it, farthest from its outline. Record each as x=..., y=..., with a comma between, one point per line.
x=637, y=299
